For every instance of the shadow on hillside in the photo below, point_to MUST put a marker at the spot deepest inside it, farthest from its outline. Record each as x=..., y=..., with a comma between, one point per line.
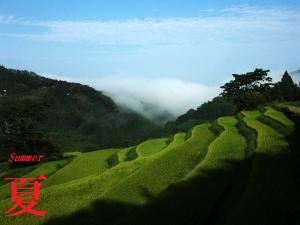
x=295, y=143
x=217, y=197
x=98, y=213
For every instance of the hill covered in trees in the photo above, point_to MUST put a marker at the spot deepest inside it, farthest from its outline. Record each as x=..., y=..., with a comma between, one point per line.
x=66, y=116
x=245, y=91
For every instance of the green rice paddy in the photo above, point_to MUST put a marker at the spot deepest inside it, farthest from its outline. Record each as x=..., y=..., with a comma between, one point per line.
x=139, y=174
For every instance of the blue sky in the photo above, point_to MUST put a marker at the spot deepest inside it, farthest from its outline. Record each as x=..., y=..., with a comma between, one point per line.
x=110, y=45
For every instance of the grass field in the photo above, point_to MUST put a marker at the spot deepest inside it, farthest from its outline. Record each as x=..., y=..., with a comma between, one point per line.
x=164, y=169
x=89, y=171
x=87, y=164
x=293, y=107
x=48, y=169
x=224, y=154
x=230, y=145
x=151, y=147
x=270, y=178
x=197, y=172
x=278, y=116
x=122, y=154
x=191, y=200
x=269, y=141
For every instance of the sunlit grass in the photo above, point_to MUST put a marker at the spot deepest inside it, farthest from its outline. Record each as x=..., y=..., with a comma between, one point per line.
x=278, y=116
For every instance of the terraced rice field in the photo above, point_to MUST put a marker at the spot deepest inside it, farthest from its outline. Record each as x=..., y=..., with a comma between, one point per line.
x=278, y=116
x=225, y=153
x=47, y=169
x=269, y=141
x=151, y=147
x=139, y=174
x=94, y=177
x=270, y=178
x=164, y=168
x=122, y=154
x=230, y=145
x=91, y=163
x=291, y=107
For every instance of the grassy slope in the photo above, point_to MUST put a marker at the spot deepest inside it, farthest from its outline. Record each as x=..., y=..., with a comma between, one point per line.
x=150, y=147
x=278, y=116
x=157, y=166
x=164, y=169
x=191, y=201
x=48, y=169
x=91, y=163
x=64, y=198
x=224, y=154
x=294, y=109
x=5, y=172
x=269, y=140
x=269, y=186
x=122, y=154
x=229, y=146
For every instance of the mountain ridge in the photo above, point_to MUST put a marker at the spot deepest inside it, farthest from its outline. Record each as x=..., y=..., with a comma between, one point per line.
x=77, y=117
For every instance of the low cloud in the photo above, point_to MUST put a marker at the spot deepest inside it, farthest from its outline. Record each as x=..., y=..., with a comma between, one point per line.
x=142, y=95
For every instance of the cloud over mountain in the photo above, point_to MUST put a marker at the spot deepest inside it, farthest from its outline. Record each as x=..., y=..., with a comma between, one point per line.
x=174, y=95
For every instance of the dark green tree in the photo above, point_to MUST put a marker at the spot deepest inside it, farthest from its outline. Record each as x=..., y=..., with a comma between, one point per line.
x=248, y=90
x=287, y=89
x=18, y=133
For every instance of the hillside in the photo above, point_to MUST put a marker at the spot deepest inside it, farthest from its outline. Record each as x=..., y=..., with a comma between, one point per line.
x=250, y=90
x=76, y=117
x=210, y=110
x=239, y=169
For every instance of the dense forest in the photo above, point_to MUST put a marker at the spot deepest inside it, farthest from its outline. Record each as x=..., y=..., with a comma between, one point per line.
x=61, y=116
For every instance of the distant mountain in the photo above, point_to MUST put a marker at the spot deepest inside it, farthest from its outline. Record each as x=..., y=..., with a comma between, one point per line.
x=155, y=113
x=296, y=75
x=78, y=117
x=149, y=109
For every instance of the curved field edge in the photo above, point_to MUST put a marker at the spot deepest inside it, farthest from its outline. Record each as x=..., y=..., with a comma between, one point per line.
x=86, y=164
x=151, y=147
x=48, y=169
x=137, y=174
x=270, y=177
x=249, y=134
x=278, y=116
x=164, y=169
x=229, y=139
x=65, y=198
x=294, y=109
x=204, y=187
x=224, y=154
x=122, y=154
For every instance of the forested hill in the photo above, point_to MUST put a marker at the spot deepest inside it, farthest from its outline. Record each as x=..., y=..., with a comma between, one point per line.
x=73, y=116
x=246, y=91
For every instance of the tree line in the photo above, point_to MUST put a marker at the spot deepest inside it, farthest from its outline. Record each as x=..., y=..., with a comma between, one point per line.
x=244, y=91
x=251, y=89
